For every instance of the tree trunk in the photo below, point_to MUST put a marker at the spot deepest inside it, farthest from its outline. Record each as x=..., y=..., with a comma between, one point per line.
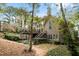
x=31, y=30
x=65, y=23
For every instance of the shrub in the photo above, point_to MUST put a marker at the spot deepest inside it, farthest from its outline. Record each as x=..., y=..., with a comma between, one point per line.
x=2, y=35
x=24, y=41
x=59, y=51
x=39, y=41
x=77, y=49
x=12, y=36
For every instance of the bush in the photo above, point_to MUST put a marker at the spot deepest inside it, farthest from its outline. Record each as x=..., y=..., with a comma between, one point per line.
x=77, y=49
x=39, y=41
x=12, y=36
x=23, y=41
x=59, y=51
x=2, y=35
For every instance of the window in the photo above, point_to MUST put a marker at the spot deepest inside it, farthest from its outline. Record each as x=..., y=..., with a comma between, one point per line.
x=54, y=36
x=50, y=25
x=49, y=36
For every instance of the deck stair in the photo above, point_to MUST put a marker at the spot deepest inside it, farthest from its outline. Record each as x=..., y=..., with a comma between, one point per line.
x=41, y=35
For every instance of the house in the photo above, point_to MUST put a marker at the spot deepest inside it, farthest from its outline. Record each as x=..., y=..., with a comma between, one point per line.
x=4, y=26
x=51, y=28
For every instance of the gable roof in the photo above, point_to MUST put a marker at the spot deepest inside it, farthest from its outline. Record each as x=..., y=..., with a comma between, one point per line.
x=47, y=18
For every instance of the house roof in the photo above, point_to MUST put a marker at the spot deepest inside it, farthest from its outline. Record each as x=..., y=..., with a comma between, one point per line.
x=47, y=18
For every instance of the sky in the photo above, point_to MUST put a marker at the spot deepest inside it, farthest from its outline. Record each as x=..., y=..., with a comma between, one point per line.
x=42, y=10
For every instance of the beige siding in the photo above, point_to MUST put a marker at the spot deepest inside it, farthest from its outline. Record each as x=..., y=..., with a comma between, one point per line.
x=53, y=31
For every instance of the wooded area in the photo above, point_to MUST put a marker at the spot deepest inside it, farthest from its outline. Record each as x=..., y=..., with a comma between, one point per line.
x=52, y=34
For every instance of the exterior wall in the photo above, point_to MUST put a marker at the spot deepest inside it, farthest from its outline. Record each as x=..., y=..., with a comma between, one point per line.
x=53, y=31
x=49, y=31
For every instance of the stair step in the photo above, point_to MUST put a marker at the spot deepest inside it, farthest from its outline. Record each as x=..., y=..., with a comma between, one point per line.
x=40, y=34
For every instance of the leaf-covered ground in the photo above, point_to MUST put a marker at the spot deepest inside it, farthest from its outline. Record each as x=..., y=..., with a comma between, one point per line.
x=11, y=48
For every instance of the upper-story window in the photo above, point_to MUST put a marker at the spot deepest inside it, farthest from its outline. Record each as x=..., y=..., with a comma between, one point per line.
x=50, y=25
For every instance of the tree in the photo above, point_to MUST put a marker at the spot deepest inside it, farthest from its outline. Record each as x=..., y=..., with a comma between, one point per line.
x=2, y=7
x=34, y=7
x=75, y=14
x=48, y=17
x=70, y=40
x=31, y=33
x=24, y=14
x=9, y=13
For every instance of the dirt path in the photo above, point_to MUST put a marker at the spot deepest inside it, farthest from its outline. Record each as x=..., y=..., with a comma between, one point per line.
x=42, y=49
x=39, y=51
